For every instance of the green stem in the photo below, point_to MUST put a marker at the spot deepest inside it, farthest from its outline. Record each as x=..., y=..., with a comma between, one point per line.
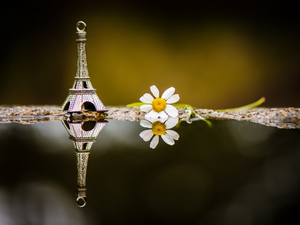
x=192, y=113
x=246, y=107
x=181, y=105
x=137, y=104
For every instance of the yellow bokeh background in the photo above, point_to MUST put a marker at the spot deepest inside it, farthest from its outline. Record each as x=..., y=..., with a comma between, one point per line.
x=212, y=63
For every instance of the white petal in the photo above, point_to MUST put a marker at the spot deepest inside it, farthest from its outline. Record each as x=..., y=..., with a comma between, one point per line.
x=163, y=115
x=154, y=91
x=173, y=99
x=152, y=120
x=145, y=108
x=154, y=142
x=146, y=124
x=163, y=119
x=168, y=139
x=168, y=93
x=173, y=134
x=146, y=135
x=146, y=98
x=171, y=122
x=171, y=111
x=152, y=114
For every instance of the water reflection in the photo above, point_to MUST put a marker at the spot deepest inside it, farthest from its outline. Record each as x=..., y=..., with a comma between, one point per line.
x=159, y=127
x=42, y=202
x=83, y=135
x=210, y=176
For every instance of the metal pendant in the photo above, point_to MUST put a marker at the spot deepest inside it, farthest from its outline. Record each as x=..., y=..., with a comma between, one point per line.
x=82, y=96
x=83, y=135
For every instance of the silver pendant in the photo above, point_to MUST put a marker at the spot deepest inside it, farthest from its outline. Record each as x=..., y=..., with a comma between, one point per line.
x=83, y=135
x=82, y=96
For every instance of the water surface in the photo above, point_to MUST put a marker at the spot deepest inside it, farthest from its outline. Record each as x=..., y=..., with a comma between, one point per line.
x=231, y=173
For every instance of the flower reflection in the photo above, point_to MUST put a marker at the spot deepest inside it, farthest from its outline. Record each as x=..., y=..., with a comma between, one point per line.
x=159, y=127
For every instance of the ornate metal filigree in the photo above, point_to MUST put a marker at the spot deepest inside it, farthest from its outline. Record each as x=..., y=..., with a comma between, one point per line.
x=82, y=96
x=83, y=135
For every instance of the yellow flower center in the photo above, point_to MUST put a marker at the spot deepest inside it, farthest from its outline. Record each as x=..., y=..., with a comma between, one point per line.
x=159, y=104
x=159, y=128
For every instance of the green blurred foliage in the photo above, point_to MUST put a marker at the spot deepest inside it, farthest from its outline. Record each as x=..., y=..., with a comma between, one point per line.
x=219, y=59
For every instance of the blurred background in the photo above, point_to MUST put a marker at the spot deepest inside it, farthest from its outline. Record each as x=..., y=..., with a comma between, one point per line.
x=216, y=54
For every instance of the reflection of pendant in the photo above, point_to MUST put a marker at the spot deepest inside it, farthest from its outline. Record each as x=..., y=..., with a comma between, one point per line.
x=82, y=162
x=83, y=135
x=82, y=96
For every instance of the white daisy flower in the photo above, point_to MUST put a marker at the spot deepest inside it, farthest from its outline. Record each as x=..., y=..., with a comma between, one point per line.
x=159, y=127
x=159, y=106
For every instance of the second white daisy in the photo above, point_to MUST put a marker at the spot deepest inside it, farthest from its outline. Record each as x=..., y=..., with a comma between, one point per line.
x=160, y=107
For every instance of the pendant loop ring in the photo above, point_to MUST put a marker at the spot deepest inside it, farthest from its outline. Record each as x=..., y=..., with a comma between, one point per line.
x=78, y=24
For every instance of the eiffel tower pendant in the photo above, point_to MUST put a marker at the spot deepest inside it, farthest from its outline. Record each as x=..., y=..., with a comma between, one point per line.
x=82, y=96
x=83, y=135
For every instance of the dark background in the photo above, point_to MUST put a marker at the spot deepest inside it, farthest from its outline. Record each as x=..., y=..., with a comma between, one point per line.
x=216, y=54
